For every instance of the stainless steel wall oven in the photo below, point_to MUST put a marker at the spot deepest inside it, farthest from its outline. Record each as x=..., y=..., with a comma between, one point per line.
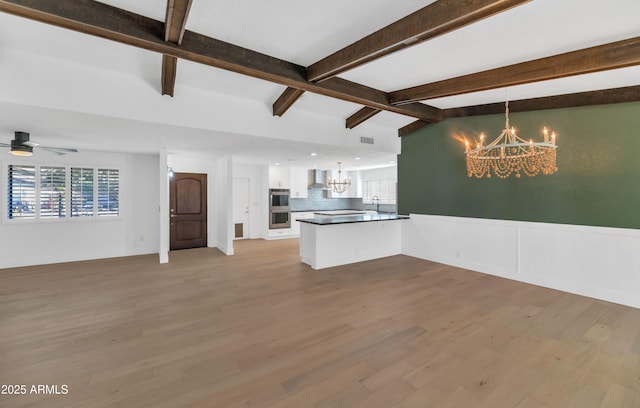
x=279, y=211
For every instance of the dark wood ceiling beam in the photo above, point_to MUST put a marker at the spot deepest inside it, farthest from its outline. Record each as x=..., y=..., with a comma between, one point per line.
x=284, y=101
x=438, y=18
x=412, y=127
x=372, y=98
x=174, y=27
x=176, y=20
x=605, y=57
x=360, y=116
x=574, y=100
x=102, y=20
x=169, y=69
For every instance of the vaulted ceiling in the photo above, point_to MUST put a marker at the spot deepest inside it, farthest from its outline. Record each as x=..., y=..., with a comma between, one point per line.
x=381, y=68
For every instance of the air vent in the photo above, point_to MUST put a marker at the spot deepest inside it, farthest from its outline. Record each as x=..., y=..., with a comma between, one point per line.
x=366, y=140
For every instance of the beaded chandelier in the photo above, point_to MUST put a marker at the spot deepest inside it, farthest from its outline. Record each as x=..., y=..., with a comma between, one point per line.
x=339, y=186
x=509, y=154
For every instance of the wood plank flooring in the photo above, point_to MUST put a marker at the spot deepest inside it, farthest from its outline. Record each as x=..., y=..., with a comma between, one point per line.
x=260, y=329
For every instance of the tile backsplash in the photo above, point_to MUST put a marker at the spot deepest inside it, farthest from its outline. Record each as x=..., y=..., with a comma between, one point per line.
x=316, y=200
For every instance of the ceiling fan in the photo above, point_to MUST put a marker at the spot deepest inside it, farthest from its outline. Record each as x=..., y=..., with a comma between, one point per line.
x=22, y=146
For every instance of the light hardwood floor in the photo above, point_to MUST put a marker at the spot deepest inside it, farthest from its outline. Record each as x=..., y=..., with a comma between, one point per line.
x=260, y=329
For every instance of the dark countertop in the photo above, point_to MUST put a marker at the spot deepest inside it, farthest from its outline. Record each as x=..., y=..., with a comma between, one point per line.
x=346, y=209
x=334, y=213
x=347, y=219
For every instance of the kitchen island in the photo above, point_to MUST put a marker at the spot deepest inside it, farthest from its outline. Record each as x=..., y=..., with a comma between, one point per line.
x=327, y=241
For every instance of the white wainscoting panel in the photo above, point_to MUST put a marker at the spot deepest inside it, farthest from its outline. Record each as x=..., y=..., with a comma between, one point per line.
x=599, y=262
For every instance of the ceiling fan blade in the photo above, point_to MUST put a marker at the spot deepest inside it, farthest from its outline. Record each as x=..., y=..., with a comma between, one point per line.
x=58, y=150
x=30, y=143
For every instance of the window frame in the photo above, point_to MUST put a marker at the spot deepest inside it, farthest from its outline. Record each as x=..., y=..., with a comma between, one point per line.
x=37, y=219
x=389, y=199
x=82, y=214
x=96, y=207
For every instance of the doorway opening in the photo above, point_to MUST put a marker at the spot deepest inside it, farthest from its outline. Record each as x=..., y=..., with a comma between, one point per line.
x=240, y=207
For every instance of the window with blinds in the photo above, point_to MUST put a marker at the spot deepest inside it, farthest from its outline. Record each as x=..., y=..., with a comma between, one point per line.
x=21, y=192
x=81, y=192
x=385, y=190
x=53, y=186
x=108, y=192
x=59, y=192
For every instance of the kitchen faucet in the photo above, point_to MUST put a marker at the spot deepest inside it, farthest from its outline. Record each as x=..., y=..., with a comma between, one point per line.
x=376, y=200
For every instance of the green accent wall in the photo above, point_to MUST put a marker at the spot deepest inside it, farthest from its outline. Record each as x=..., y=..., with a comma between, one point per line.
x=597, y=182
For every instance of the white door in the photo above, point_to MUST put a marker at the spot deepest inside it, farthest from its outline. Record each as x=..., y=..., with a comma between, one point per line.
x=241, y=207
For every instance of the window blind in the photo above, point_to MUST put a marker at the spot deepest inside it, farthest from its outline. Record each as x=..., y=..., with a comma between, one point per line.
x=55, y=192
x=21, y=192
x=53, y=185
x=385, y=190
x=108, y=192
x=81, y=192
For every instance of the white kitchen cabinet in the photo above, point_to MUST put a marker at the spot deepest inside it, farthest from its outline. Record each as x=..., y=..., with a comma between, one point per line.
x=295, y=224
x=280, y=233
x=299, y=183
x=355, y=191
x=279, y=177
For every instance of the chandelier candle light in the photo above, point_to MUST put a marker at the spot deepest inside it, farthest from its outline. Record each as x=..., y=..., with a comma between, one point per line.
x=339, y=186
x=509, y=154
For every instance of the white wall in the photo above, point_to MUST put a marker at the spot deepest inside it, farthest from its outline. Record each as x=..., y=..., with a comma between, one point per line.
x=223, y=194
x=258, y=197
x=383, y=173
x=134, y=232
x=599, y=262
x=163, y=207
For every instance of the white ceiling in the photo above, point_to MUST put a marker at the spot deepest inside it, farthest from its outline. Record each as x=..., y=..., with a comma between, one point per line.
x=304, y=32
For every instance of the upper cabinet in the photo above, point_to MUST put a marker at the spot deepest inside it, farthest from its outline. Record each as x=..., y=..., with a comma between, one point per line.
x=355, y=191
x=279, y=177
x=298, y=182
x=293, y=178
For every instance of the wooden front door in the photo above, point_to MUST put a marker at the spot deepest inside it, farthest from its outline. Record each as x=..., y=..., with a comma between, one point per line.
x=188, y=209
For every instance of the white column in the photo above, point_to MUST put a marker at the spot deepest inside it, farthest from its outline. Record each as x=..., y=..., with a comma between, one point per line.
x=163, y=207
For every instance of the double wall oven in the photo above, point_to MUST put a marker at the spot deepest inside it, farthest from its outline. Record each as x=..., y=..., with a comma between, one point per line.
x=279, y=211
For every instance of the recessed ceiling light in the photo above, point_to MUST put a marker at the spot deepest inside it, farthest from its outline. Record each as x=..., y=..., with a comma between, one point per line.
x=357, y=158
x=313, y=154
x=277, y=164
